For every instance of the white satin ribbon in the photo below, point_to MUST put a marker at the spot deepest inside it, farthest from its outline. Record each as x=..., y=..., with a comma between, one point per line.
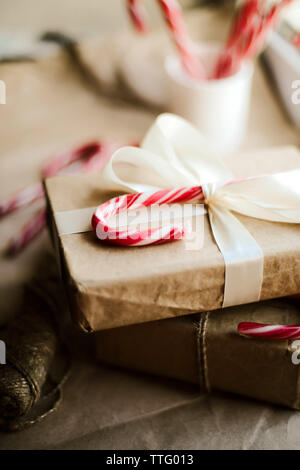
x=74, y=221
x=174, y=154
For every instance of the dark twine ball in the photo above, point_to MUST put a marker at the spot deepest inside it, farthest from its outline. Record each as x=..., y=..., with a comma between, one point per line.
x=32, y=342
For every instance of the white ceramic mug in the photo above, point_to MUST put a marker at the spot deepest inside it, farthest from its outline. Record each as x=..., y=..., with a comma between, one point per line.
x=219, y=108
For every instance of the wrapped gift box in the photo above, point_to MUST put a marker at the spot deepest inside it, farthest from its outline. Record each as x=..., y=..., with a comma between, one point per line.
x=111, y=286
x=206, y=349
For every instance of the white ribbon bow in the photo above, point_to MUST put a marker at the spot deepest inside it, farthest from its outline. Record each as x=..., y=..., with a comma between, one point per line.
x=174, y=154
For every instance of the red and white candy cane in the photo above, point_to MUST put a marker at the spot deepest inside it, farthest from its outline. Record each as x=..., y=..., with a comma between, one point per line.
x=137, y=14
x=248, y=34
x=22, y=198
x=35, y=191
x=261, y=330
x=30, y=230
x=90, y=157
x=175, y=21
x=97, y=161
x=150, y=236
x=65, y=159
x=296, y=41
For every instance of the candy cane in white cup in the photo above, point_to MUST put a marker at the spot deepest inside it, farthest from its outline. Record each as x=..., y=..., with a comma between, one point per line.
x=218, y=107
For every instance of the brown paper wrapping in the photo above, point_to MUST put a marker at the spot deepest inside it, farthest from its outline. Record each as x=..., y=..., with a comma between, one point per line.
x=113, y=286
x=205, y=349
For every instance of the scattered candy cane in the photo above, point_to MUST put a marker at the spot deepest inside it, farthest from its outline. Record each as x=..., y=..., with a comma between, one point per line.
x=137, y=14
x=24, y=197
x=176, y=24
x=296, y=41
x=35, y=225
x=63, y=160
x=91, y=157
x=260, y=330
x=150, y=236
x=97, y=161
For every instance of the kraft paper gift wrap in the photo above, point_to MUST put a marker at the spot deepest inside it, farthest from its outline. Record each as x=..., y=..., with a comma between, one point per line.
x=205, y=349
x=111, y=286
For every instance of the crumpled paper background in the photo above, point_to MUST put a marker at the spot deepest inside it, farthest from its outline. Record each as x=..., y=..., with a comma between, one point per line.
x=51, y=106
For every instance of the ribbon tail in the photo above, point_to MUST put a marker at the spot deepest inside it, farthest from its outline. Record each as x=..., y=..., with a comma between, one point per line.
x=242, y=255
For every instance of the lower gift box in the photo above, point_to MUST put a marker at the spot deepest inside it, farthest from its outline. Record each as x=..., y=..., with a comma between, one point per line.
x=206, y=349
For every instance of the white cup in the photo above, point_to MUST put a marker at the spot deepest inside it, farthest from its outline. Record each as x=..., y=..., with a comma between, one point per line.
x=219, y=108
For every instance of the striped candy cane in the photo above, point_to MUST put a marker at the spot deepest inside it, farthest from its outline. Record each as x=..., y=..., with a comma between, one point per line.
x=137, y=14
x=65, y=159
x=35, y=225
x=97, y=161
x=132, y=237
x=90, y=157
x=175, y=21
x=35, y=191
x=260, y=330
x=296, y=41
x=24, y=197
x=248, y=34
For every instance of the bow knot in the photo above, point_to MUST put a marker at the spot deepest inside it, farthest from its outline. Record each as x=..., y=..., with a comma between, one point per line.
x=209, y=191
